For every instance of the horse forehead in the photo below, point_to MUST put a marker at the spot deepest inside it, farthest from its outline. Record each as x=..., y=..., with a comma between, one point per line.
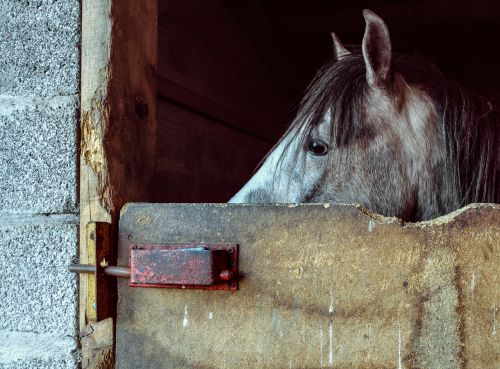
x=420, y=116
x=420, y=105
x=325, y=123
x=406, y=108
x=408, y=126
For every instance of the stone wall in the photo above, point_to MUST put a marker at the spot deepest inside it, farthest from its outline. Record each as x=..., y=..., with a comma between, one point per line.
x=39, y=108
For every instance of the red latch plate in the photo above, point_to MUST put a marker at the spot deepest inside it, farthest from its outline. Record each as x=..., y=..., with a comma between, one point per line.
x=200, y=266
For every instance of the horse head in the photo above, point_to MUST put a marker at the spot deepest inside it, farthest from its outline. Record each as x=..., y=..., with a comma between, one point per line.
x=385, y=131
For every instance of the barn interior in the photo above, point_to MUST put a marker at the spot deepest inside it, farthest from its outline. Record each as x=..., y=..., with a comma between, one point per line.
x=231, y=74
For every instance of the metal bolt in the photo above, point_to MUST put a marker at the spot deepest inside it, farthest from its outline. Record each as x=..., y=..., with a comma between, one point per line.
x=226, y=275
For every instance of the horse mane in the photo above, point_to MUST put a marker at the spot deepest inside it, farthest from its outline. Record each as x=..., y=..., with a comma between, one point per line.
x=470, y=123
x=472, y=132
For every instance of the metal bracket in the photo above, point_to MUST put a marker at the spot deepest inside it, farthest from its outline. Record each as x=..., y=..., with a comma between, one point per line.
x=187, y=266
x=200, y=266
x=100, y=290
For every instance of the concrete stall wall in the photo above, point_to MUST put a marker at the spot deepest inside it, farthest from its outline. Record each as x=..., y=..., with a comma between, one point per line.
x=39, y=102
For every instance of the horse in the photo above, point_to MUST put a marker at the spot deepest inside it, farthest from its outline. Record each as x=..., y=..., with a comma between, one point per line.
x=386, y=131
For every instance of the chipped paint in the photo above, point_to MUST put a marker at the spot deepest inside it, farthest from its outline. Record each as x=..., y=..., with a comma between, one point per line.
x=473, y=283
x=185, y=318
x=400, y=364
x=321, y=347
x=330, y=344
x=494, y=328
x=277, y=324
x=330, y=330
x=330, y=307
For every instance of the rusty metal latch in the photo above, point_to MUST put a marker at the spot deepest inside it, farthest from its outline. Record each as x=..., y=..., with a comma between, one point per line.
x=202, y=266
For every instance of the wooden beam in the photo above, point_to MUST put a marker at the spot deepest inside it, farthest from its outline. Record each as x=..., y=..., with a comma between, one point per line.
x=118, y=112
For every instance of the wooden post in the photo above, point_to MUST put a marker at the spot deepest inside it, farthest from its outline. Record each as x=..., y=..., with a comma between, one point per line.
x=118, y=112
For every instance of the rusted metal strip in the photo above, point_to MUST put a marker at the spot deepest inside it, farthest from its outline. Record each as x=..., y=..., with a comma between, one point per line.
x=101, y=291
x=205, y=266
x=170, y=266
x=91, y=300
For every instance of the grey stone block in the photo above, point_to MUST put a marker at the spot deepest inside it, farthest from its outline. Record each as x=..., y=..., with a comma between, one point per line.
x=39, y=47
x=37, y=293
x=20, y=350
x=38, y=155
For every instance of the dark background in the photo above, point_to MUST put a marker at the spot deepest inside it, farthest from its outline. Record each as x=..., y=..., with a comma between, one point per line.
x=231, y=73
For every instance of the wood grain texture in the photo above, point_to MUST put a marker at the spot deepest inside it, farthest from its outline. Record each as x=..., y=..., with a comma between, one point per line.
x=118, y=112
x=96, y=45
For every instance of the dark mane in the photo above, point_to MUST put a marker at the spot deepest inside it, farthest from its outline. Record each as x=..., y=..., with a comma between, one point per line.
x=470, y=123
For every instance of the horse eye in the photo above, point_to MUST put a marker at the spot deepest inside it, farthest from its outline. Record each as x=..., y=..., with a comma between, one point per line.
x=318, y=148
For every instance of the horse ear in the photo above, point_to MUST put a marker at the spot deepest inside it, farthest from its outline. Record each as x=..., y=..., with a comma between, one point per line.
x=338, y=48
x=377, y=50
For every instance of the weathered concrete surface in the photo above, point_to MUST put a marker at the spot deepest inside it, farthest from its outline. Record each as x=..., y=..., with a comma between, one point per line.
x=22, y=350
x=37, y=293
x=39, y=47
x=39, y=104
x=322, y=286
x=38, y=151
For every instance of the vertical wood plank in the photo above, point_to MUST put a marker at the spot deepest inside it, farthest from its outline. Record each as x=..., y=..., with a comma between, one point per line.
x=118, y=112
x=96, y=39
